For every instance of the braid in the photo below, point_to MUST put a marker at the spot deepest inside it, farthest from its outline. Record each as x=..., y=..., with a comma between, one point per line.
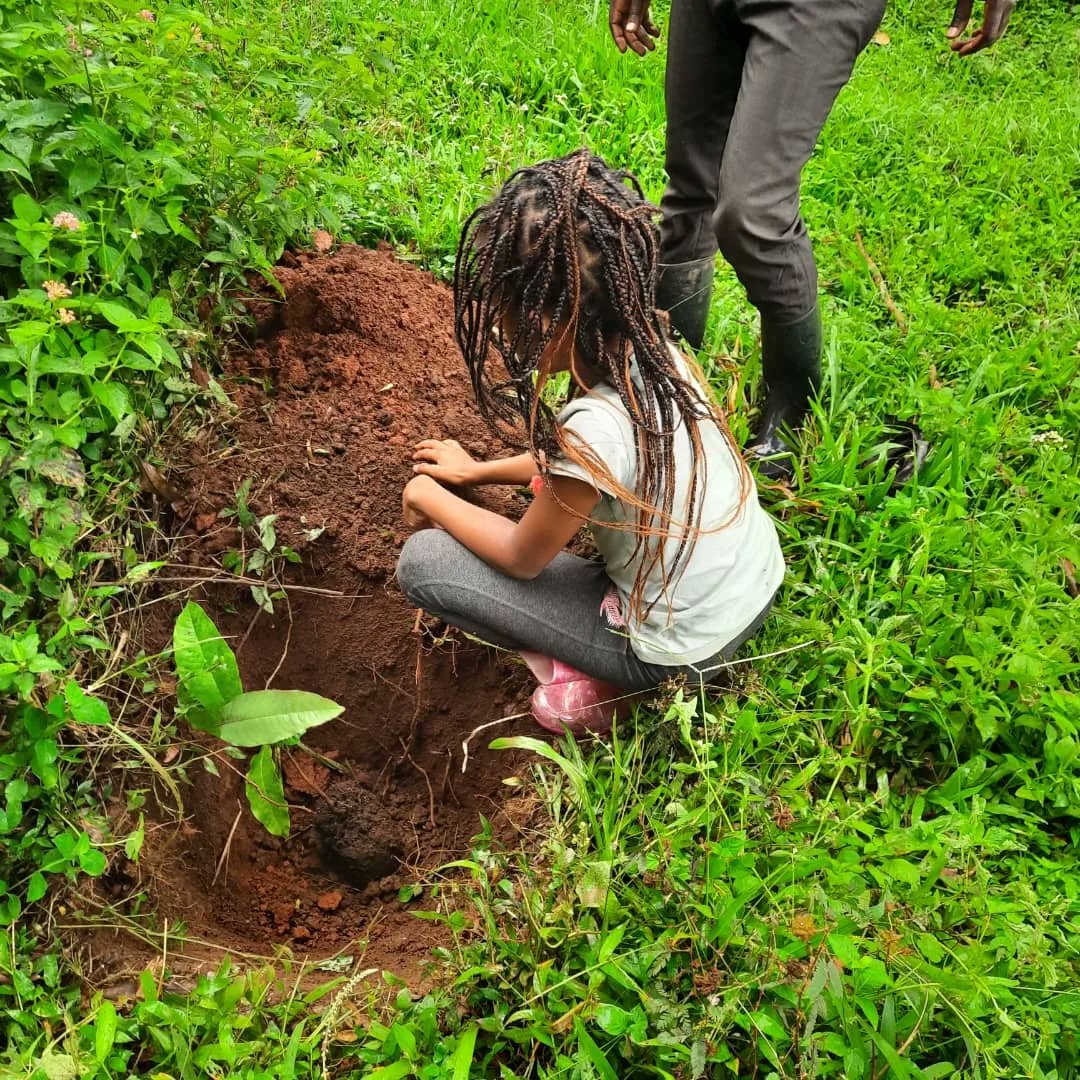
x=569, y=248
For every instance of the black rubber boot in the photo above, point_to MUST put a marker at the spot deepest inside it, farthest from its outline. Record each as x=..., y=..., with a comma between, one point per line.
x=791, y=366
x=684, y=291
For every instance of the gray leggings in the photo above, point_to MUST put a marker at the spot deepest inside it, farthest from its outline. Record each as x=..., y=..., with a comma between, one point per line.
x=556, y=614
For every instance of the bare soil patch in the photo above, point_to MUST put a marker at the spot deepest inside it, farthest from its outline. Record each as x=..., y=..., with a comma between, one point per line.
x=342, y=376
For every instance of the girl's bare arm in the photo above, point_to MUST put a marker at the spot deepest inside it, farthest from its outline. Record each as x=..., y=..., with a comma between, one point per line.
x=448, y=462
x=520, y=549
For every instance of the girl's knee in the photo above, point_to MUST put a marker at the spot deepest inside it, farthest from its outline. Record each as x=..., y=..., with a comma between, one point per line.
x=419, y=557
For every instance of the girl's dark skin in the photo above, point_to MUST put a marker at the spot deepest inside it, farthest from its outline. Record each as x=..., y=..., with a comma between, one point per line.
x=520, y=549
x=632, y=26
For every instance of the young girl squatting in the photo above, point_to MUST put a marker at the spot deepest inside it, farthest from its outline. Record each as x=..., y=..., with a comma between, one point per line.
x=557, y=273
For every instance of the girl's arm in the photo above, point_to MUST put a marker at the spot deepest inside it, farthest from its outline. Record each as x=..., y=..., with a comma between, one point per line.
x=520, y=549
x=449, y=463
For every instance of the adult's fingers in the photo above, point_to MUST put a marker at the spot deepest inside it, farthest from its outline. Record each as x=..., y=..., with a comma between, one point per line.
x=644, y=40
x=636, y=39
x=996, y=18
x=973, y=44
x=961, y=17
x=634, y=17
x=617, y=14
x=647, y=30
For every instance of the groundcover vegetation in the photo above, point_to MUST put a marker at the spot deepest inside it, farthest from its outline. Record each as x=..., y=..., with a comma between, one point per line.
x=862, y=862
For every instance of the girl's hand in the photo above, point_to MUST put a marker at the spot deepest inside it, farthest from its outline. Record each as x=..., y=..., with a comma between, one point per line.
x=445, y=460
x=412, y=515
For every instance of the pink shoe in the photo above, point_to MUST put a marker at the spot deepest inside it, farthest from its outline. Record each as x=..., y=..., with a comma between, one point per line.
x=579, y=705
x=568, y=699
x=546, y=670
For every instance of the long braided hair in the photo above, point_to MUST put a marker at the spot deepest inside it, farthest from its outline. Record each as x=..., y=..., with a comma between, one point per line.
x=567, y=252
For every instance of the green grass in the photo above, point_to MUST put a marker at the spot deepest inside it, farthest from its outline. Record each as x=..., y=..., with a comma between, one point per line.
x=863, y=862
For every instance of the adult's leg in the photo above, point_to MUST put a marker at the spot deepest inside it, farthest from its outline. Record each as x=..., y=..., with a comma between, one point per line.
x=799, y=56
x=556, y=614
x=704, y=70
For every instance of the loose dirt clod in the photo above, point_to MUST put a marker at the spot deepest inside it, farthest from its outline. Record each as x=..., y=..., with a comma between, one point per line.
x=354, y=366
x=359, y=839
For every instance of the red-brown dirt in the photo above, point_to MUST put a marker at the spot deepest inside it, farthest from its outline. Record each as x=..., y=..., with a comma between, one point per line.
x=356, y=364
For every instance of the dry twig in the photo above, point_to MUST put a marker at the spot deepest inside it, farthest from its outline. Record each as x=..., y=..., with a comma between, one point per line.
x=882, y=287
x=223, y=861
x=427, y=780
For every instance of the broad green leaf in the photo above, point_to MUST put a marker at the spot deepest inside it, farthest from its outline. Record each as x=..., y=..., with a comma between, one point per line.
x=134, y=843
x=84, y=176
x=173, y=210
x=265, y=793
x=463, y=1053
x=93, y=862
x=84, y=708
x=261, y=717
x=37, y=888
x=57, y=1066
x=15, y=794
x=844, y=949
x=899, y=1069
x=930, y=947
x=22, y=146
x=34, y=240
x=34, y=113
x=104, y=1030
x=61, y=465
x=610, y=944
x=123, y=318
x=611, y=1019
x=406, y=1040
x=114, y=397
x=159, y=310
x=903, y=871
x=592, y=1053
x=205, y=664
x=10, y=163
x=398, y=1071
x=26, y=209
x=25, y=335
x=267, y=535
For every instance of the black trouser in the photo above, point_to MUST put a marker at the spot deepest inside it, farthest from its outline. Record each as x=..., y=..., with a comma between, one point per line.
x=749, y=86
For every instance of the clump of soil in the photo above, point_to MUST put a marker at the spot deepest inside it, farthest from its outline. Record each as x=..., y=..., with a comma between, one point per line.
x=344, y=375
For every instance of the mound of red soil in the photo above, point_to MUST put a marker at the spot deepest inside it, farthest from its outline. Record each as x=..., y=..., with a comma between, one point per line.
x=356, y=364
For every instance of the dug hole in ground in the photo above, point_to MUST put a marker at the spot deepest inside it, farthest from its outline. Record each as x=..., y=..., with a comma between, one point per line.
x=356, y=364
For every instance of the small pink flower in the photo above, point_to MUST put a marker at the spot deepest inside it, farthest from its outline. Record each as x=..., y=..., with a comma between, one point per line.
x=67, y=316
x=147, y=16
x=55, y=290
x=66, y=220
x=536, y=484
x=322, y=240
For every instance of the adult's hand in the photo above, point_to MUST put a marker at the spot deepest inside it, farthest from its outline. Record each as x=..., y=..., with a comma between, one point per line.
x=632, y=26
x=995, y=18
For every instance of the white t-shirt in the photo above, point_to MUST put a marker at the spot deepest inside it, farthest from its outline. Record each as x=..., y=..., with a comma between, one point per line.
x=731, y=572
